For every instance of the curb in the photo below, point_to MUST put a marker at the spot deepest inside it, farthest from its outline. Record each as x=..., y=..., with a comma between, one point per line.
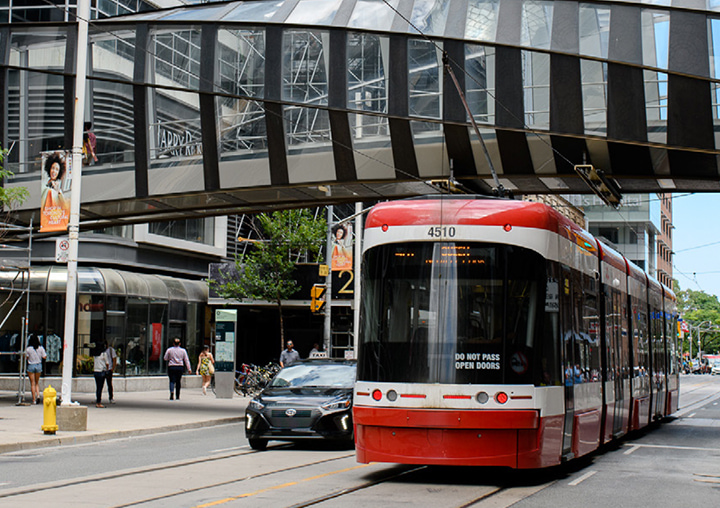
x=117, y=434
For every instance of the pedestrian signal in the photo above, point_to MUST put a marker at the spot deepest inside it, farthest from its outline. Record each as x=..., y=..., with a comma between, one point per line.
x=317, y=297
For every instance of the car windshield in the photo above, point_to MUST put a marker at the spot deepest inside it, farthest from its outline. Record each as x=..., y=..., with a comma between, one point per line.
x=312, y=375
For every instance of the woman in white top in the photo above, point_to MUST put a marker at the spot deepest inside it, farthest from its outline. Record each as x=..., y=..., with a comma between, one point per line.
x=35, y=354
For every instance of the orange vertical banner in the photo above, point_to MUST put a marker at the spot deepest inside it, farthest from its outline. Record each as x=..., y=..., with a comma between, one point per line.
x=56, y=176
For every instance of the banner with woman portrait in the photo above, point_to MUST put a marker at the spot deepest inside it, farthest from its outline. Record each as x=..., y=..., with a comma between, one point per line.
x=342, y=250
x=55, y=185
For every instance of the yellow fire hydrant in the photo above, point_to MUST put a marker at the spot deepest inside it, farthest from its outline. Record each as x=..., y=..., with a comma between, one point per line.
x=49, y=410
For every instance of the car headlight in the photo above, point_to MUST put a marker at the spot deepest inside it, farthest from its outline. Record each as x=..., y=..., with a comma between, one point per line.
x=256, y=405
x=337, y=404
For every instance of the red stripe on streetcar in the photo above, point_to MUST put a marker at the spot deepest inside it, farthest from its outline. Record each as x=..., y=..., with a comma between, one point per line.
x=413, y=396
x=364, y=394
x=521, y=397
x=464, y=397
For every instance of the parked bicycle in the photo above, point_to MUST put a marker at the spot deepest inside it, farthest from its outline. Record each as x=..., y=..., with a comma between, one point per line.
x=251, y=379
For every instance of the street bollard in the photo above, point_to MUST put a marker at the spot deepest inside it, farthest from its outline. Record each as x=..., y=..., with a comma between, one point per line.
x=49, y=410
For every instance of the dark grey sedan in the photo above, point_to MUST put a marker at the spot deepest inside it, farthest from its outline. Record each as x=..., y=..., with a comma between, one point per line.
x=308, y=400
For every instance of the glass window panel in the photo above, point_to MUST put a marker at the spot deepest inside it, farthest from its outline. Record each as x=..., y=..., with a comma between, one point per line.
x=480, y=76
x=55, y=327
x=594, y=90
x=367, y=80
x=254, y=11
x=242, y=73
x=656, y=85
x=429, y=17
x=137, y=337
x=305, y=66
x=90, y=281
x=536, y=24
x=90, y=330
x=481, y=20
x=305, y=126
x=36, y=117
x=135, y=284
x=198, y=230
x=536, y=86
x=594, y=30
x=655, y=38
x=175, y=131
x=157, y=338
x=373, y=14
x=372, y=146
x=714, y=39
x=112, y=121
x=209, y=13
x=314, y=12
x=428, y=140
x=424, y=83
x=176, y=60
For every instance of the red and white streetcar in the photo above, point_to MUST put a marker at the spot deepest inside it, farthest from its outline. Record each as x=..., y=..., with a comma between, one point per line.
x=498, y=332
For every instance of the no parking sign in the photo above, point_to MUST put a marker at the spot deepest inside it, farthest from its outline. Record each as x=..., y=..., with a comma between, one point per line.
x=62, y=248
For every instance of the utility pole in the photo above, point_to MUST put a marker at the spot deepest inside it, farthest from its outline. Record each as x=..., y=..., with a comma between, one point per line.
x=83, y=15
x=327, y=328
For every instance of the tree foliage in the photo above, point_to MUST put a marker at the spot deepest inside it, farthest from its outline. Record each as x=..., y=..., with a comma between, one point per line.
x=698, y=307
x=267, y=271
x=12, y=197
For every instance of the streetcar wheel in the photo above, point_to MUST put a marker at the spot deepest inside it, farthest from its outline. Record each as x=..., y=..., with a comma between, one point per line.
x=258, y=444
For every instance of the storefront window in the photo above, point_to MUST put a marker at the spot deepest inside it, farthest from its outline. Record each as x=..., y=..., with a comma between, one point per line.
x=137, y=341
x=90, y=329
x=157, y=342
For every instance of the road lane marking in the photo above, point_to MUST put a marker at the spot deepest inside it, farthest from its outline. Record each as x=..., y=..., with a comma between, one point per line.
x=691, y=415
x=230, y=449
x=277, y=487
x=632, y=449
x=582, y=478
x=692, y=448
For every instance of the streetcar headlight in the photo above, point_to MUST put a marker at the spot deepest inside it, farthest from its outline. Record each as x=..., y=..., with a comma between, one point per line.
x=391, y=395
x=482, y=397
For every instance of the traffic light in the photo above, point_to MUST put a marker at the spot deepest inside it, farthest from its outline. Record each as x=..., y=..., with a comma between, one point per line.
x=317, y=294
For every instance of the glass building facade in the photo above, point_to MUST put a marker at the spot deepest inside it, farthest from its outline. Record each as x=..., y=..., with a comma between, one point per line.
x=251, y=103
x=137, y=314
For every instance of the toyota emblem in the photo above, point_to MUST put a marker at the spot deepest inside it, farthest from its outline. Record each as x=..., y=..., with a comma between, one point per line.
x=290, y=412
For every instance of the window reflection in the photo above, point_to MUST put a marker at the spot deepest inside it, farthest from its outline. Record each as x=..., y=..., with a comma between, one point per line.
x=367, y=79
x=536, y=85
x=536, y=24
x=373, y=14
x=479, y=82
x=594, y=91
x=429, y=17
x=482, y=20
x=594, y=30
x=424, y=83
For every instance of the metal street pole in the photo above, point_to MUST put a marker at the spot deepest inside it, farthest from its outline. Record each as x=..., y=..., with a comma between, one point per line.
x=327, y=328
x=83, y=10
x=358, y=263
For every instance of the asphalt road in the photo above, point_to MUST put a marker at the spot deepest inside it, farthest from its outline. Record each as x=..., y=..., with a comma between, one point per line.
x=668, y=465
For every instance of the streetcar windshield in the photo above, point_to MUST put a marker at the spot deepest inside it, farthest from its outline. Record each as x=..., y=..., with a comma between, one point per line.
x=451, y=313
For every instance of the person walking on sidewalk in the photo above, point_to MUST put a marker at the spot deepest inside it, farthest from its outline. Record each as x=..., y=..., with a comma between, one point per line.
x=35, y=354
x=289, y=356
x=100, y=368
x=178, y=361
x=205, y=368
x=112, y=363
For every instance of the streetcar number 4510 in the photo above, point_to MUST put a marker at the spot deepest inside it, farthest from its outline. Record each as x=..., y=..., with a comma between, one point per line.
x=441, y=232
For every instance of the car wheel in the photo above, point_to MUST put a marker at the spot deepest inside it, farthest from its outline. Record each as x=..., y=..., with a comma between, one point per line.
x=258, y=444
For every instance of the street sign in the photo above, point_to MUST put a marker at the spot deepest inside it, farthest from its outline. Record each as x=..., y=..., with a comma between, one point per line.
x=62, y=248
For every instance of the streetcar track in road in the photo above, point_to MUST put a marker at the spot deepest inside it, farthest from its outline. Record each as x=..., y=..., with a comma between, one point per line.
x=150, y=469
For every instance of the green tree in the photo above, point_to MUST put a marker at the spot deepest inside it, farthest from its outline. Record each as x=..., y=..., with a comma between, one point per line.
x=12, y=197
x=698, y=307
x=266, y=272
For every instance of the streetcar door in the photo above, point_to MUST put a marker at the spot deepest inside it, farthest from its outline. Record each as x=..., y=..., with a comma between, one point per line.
x=568, y=345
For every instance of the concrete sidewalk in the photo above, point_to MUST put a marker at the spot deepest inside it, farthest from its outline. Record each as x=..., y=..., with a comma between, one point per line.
x=135, y=413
